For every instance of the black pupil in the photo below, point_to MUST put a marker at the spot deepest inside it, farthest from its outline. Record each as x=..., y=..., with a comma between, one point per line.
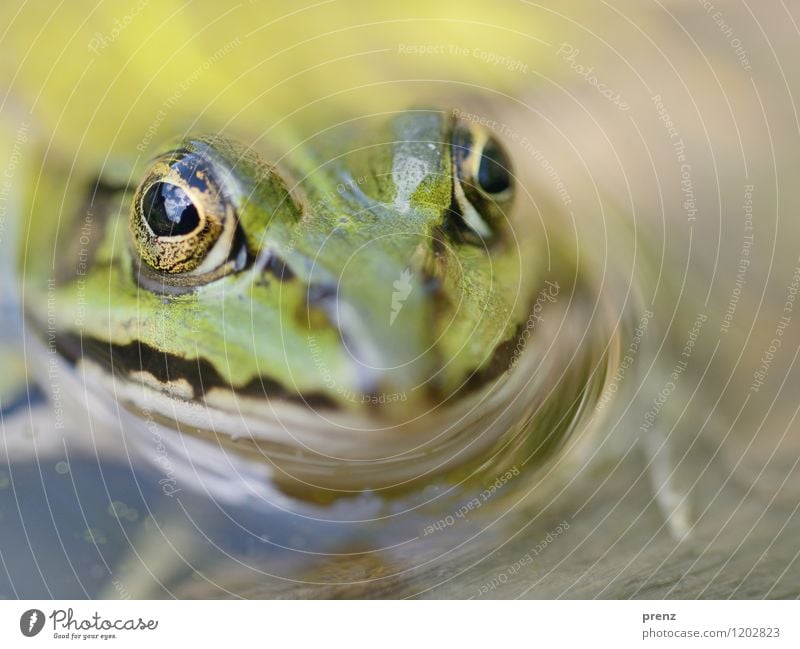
x=493, y=174
x=169, y=210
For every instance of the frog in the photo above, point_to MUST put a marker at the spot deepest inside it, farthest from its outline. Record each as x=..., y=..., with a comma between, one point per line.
x=354, y=311
x=369, y=344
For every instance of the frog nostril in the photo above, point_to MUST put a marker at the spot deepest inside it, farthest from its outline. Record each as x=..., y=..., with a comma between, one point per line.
x=321, y=295
x=278, y=268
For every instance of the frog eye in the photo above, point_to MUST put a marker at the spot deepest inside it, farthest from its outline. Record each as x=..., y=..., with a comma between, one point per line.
x=493, y=175
x=483, y=187
x=181, y=221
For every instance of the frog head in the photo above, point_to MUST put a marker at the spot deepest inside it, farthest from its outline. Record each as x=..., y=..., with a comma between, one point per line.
x=366, y=279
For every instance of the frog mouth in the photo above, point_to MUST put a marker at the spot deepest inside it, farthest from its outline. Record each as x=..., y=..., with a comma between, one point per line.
x=523, y=417
x=520, y=417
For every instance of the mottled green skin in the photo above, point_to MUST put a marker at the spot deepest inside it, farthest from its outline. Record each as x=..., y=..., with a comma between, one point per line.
x=365, y=202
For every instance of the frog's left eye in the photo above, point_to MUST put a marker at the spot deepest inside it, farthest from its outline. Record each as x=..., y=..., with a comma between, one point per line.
x=181, y=220
x=483, y=185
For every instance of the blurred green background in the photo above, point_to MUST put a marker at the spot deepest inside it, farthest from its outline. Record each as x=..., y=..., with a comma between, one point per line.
x=104, y=77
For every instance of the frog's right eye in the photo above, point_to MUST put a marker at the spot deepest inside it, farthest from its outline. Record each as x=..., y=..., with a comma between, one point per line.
x=493, y=175
x=181, y=221
x=483, y=186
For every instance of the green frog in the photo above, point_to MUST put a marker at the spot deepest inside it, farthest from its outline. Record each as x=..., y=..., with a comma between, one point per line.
x=384, y=324
x=358, y=311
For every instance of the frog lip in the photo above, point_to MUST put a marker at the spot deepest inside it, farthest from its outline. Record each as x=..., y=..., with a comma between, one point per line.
x=350, y=451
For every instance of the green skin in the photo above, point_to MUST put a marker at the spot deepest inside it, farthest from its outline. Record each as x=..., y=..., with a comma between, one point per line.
x=320, y=314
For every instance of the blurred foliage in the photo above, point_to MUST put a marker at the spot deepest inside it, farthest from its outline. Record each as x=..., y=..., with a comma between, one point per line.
x=115, y=75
